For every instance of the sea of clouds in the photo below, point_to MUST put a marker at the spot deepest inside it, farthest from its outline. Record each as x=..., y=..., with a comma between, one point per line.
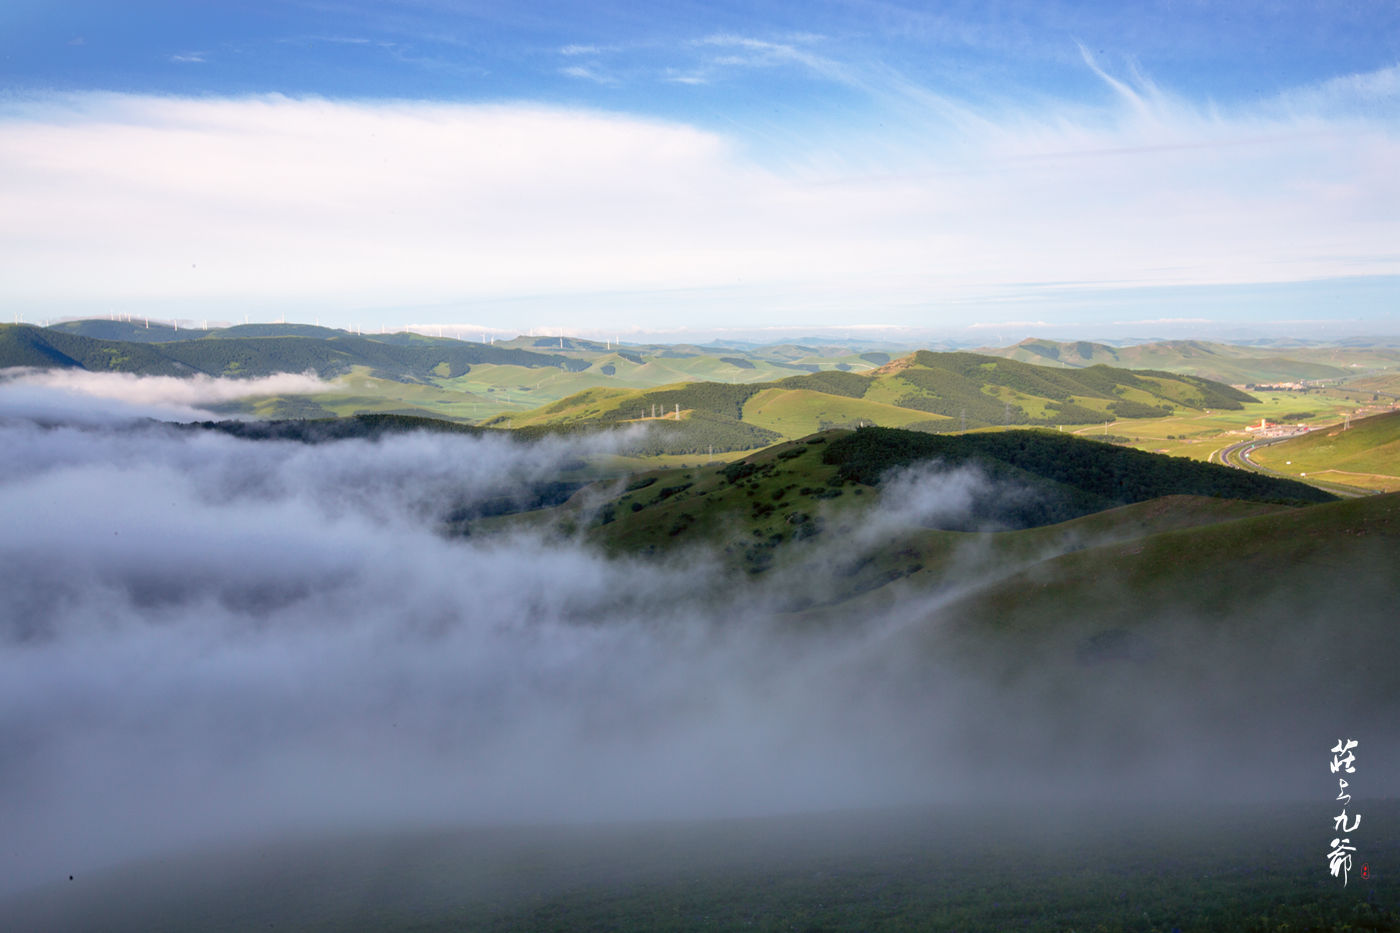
x=207, y=638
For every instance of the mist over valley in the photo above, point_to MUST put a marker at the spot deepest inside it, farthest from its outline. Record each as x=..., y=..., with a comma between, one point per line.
x=216, y=641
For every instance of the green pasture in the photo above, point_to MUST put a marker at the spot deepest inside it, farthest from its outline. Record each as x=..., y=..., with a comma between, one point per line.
x=798, y=412
x=1365, y=454
x=1199, y=434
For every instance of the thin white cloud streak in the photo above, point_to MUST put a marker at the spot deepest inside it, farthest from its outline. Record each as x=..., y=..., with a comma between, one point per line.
x=70, y=393
x=1370, y=91
x=312, y=204
x=587, y=74
x=992, y=325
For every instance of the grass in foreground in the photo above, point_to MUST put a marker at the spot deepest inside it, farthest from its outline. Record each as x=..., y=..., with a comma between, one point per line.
x=1197, y=866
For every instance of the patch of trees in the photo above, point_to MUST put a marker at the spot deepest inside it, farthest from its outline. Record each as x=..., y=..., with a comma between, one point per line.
x=27, y=345
x=1084, y=474
x=957, y=396
x=1103, y=380
x=1070, y=413
x=535, y=496
x=1213, y=394
x=666, y=492
x=318, y=431
x=1126, y=408
x=849, y=385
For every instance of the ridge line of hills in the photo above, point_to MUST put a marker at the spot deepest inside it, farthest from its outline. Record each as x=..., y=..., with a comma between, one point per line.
x=936, y=392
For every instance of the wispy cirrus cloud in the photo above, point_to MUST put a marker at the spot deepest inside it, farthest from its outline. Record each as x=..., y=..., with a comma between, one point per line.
x=727, y=50
x=1369, y=94
x=588, y=73
x=675, y=76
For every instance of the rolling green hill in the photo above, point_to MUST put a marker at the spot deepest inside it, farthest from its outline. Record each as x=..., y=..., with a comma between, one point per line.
x=926, y=390
x=1198, y=556
x=1299, y=583
x=1036, y=382
x=1367, y=453
x=26, y=345
x=474, y=380
x=807, y=490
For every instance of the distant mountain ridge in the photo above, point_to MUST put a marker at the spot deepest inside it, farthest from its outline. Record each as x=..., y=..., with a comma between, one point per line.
x=1222, y=362
x=239, y=351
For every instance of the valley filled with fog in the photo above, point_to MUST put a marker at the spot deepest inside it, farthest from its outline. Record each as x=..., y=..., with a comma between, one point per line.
x=211, y=640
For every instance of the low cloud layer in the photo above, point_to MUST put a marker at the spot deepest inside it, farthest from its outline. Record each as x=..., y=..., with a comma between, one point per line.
x=76, y=394
x=207, y=638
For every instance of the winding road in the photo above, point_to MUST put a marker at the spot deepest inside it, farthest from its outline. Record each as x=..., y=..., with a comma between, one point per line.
x=1237, y=455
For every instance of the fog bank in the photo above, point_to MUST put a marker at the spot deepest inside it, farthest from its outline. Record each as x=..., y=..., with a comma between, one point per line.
x=208, y=638
x=94, y=397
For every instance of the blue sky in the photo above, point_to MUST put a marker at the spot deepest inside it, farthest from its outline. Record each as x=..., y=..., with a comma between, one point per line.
x=1020, y=168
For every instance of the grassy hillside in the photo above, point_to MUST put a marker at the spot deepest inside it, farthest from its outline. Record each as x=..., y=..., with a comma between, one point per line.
x=801, y=387
x=26, y=345
x=817, y=489
x=473, y=380
x=1300, y=583
x=1366, y=454
x=1227, y=605
x=929, y=391
x=1230, y=606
